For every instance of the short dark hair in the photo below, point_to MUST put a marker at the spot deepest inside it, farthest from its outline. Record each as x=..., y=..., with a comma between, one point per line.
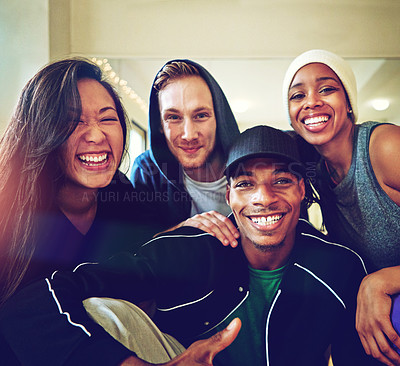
x=237, y=169
x=266, y=141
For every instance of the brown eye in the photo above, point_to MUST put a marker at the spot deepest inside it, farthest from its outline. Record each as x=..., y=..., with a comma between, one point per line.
x=328, y=89
x=297, y=96
x=243, y=184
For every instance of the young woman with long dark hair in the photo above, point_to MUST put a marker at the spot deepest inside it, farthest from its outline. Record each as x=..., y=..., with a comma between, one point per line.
x=61, y=194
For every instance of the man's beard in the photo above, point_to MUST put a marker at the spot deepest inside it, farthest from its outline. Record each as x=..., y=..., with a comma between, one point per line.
x=206, y=166
x=268, y=248
x=194, y=166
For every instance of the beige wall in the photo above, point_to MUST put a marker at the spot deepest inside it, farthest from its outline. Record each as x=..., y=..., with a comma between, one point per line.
x=24, y=45
x=59, y=18
x=32, y=32
x=235, y=28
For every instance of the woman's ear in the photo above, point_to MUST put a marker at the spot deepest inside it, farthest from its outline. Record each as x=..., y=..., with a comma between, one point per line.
x=350, y=113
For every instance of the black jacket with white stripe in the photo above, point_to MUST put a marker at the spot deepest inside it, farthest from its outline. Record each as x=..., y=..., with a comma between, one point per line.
x=196, y=283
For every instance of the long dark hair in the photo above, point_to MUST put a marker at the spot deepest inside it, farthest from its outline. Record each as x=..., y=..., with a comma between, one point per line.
x=46, y=115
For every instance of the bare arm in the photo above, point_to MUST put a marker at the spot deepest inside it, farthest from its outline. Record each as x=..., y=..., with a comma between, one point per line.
x=374, y=297
x=384, y=152
x=373, y=314
x=199, y=353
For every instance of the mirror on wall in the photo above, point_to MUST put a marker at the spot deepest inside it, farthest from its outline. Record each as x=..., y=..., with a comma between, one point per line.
x=253, y=86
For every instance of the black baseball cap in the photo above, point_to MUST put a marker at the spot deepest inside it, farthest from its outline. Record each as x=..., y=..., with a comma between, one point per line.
x=264, y=141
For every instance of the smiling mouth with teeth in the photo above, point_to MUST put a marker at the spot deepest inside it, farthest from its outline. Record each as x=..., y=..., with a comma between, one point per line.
x=315, y=121
x=93, y=160
x=266, y=220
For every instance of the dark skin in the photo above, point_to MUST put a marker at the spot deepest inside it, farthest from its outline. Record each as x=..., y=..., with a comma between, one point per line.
x=316, y=91
x=324, y=95
x=199, y=353
x=265, y=200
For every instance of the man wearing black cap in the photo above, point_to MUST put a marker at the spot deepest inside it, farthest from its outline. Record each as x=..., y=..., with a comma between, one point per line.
x=294, y=292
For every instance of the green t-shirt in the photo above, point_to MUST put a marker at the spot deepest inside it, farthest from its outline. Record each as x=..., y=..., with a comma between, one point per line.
x=249, y=346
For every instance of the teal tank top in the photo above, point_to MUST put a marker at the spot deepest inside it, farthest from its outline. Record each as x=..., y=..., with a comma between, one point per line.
x=358, y=212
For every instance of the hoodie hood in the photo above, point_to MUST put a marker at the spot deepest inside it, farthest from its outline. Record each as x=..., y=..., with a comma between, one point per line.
x=227, y=128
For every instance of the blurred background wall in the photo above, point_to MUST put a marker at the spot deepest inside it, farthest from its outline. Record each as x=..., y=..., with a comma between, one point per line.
x=246, y=44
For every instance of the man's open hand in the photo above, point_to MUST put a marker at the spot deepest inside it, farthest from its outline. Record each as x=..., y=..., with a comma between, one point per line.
x=201, y=352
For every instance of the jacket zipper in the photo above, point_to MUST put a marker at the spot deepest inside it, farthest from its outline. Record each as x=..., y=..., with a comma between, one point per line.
x=267, y=324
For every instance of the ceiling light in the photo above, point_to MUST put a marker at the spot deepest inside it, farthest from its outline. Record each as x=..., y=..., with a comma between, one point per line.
x=380, y=104
x=118, y=82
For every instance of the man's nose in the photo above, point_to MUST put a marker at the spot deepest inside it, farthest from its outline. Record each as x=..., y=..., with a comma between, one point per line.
x=189, y=130
x=264, y=195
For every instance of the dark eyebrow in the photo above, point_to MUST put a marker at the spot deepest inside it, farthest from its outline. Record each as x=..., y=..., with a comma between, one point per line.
x=328, y=78
x=240, y=173
x=281, y=170
x=296, y=85
x=105, y=109
x=323, y=78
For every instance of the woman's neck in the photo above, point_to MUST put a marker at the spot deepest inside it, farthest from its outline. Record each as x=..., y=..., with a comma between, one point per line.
x=79, y=204
x=338, y=154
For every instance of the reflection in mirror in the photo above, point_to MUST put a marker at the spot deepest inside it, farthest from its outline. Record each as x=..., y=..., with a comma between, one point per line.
x=254, y=87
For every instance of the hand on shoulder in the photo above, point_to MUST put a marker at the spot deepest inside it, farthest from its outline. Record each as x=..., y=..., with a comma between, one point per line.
x=214, y=223
x=217, y=225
